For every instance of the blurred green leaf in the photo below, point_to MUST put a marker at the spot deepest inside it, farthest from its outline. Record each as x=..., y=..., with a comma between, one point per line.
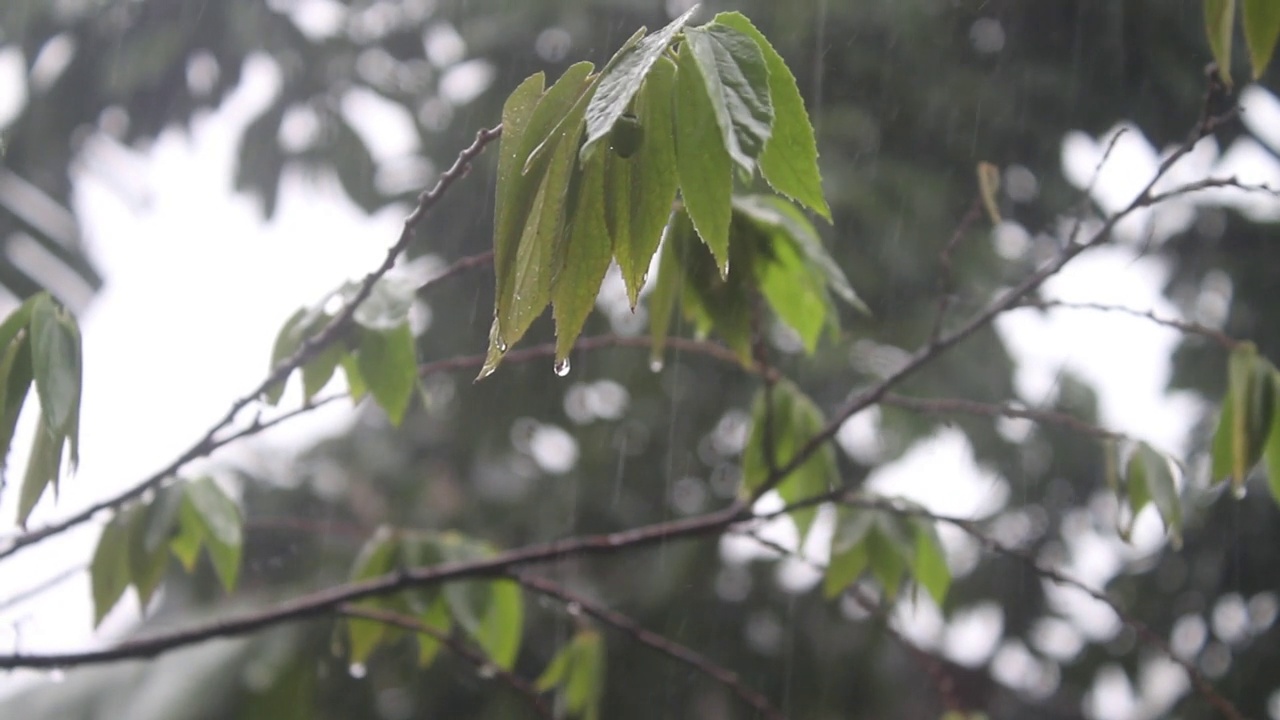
x=1219, y=25
x=219, y=517
x=1261, y=19
x=43, y=468
x=848, y=552
x=17, y=373
x=355, y=381
x=436, y=616
x=888, y=552
x=388, y=362
x=736, y=78
x=387, y=306
x=377, y=557
x=929, y=565
x=146, y=565
x=585, y=259
x=319, y=370
x=1162, y=487
x=789, y=161
x=667, y=288
x=796, y=420
x=702, y=162
x=622, y=78
x=584, y=685
x=1248, y=410
x=288, y=340
x=55, y=355
x=109, y=572
x=501, y=628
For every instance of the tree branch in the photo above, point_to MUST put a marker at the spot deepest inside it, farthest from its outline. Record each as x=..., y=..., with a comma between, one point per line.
x=1190, y=328
x=662, y=644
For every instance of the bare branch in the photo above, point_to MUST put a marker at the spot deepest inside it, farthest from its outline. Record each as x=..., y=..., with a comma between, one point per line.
x=944, y=406
x=459, y=648
x=662, y=644
x=1191, y=328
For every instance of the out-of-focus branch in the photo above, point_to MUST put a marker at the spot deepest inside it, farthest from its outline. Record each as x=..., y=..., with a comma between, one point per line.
x=1190, y=328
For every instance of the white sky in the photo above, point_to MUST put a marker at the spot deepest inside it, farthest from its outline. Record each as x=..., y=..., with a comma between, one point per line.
x=198, y=285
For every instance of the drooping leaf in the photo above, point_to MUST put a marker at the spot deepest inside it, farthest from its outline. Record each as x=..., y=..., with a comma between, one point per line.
x=206, y=504
x=716, y=303
x=622, y=78
x=651, y=184
x=288, y=340
x=789, y=161
x=1219, y=25
x=557, y=670
x=1261, y=20
x=929, y=565
x=737, y=82
x=109, y=569
x=377, y=557
x=319, y=370
x=146, y=566
x=43, y=468
x=586, y=253
x=1157, y=477
x=849, y=556
x=501, y=628
x=355, y=381
x=162, y=518
x=702, y=162
x=888, y=553
x=55, y=356
x=793, y=287
x=666, y=291
x=796, y=419
x=1273, y=452
x=584, y=685
x=437, y=617
x=388, y=363
x=15, y=366
x=1248, y=410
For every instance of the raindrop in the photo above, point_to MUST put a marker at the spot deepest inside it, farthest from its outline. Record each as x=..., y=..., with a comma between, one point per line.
x=487, y=671
x=501, y=344
x=655, y=365
x=357, y=670
x=1239, y=491
x=574, y=609
x=562, y=367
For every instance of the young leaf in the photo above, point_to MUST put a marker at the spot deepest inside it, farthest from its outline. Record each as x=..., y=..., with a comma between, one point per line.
x=55, y=356
x=186, y=543
x=501, y=628
x=376, y=557
x=436, y=616
x=1247, y=413
x=317, y=372
x=1160, y=484
x=702, y=163
x=296, y=329
x=43, y=469
x=651, y=182
x=388, y=363
x=737, y=82
x=621, y=80
x=586, y=255
x=557, y=670
x=1261, y=30
x=888, y=551
x=15, y=367
x=162, y=518
x=849, y=556
x=929, y=565
x=584, y=685
x=666, y=290
x=146, y=566
x=219, y=518
x=789, y=161
x=792, y=287
x=355, y=381
x=109, y=569
x=1219, y=25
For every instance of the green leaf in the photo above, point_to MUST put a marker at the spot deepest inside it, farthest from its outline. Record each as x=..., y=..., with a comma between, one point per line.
x=527, y=271
x=377, y=557
x=219, y=518
x=1157, y=474
x=796, y=419
x=848, y=549
x=737, y=81
x=146, y=566
x=186, y=544
x=1248, y=410
x=1261, y=30
x=888, y=552
x=317, y=373
x=650, y=186
x=557, y=670
x=584, y=685
x=288, y=340
x=1138, y=491
x=789, y=161
x=702, y=162
x=791, y=224
x=387, y=306
x=929, y=565
x=586, y=254
x=355, y=381
x=1273, y=450
x=388, y=362
x=436, y=616
x=621, y=80
x=17, y=373
x=55, y=355
x=109, y=570
x=793, y=288
x=502, y=626
x=667, y=288
x=42, y=469
x=162, y=518
x=1219, y=25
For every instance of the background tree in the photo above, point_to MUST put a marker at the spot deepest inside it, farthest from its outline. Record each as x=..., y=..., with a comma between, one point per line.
x=907, y=97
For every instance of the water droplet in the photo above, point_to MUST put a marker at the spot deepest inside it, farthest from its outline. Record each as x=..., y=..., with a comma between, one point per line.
x=574, y=609
x=655, y=365
x=487, y=671
x=357, y=670
x=57, y=675
x=562, y=367
x=1239, y=491
x=502, y=344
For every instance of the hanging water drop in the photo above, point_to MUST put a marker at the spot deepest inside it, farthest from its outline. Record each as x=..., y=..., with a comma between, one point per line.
x=655, y=365
x=357, y=670
x=501, y=344
x=1239, y=491
x=562, y=367
x=487, y=671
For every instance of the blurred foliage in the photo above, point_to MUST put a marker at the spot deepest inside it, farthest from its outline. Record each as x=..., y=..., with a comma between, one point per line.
x=907, y=97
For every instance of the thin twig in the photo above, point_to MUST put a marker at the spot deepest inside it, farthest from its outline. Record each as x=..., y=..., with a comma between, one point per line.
x=941, y=406
x=309, y=349
x=459, y=648
x=1190, y=328
x=946, y=293
x=662, y=644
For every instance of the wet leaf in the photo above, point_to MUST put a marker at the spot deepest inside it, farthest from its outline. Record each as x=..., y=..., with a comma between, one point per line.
x=666, y=290
x=929, y=565
x=1156, y=473
x=388, y=363
x=43, y=468
x=377, y=557
x=737, y=82
x=622, y=78
x=109, y=572
x=796, y=420
x=849, y=558
x=1248, y=410
x=55, y=356
x=586, y=255
x=15, y=367
x=1261, y=19
x=436, y=616
x=703, y=164
x=146, y=565
x=219, y=517
x=501, y=628
x=584, y=686
x=789, y=161
x=1219, y=25
x=387, y=306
